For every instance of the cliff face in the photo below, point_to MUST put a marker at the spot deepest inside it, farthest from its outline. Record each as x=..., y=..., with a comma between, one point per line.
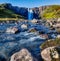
x=35, y=12
x=47, y=12
x=24, y=11
x=7, y=13
x=38, y=12
x=18, y=10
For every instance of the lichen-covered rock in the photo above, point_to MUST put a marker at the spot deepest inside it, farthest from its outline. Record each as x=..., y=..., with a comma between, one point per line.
x=22, y=55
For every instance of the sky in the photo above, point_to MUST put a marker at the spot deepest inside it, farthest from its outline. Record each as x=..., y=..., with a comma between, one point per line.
x=31, y=3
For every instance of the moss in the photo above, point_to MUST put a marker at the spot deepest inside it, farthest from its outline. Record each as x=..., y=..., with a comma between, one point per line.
x=50, y=43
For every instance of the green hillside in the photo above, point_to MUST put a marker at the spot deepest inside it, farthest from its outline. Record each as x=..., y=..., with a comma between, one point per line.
x=50, y=43
x=6, y=13
x=51, y=12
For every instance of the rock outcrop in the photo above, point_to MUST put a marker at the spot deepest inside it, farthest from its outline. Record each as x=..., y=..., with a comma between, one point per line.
x=19, y=10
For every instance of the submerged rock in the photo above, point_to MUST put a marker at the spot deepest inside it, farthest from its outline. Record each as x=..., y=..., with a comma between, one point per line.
x=22, y=55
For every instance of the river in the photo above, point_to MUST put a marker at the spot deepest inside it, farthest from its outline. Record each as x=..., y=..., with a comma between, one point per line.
x=11, y=43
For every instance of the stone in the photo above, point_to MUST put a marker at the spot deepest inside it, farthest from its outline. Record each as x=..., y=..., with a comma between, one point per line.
x=49, y=53
x=58, y=36
x=22, y=55
x=44, y=36
x=34, y=21
x=54, y=53
x=24, y=26
x=12, y=30
x=32, y=30
x=46, y=54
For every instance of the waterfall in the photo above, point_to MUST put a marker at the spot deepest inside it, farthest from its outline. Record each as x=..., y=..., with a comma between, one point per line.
x=30, y=14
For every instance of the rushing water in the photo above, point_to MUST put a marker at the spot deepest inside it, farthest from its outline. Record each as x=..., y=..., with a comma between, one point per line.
x=30, y=14
x=11, y=43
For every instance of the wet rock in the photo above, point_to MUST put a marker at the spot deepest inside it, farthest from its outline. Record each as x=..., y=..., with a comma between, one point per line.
x=24, y=26
x=34, y=21
x=44, y=36
x=12, y=30
x=22, y=55
x=46, y=54
x=32, y=30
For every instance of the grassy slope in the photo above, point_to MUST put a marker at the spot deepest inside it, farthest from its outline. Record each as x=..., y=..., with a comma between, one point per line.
x=51, y=12
x=51, y=43
x=6, y=13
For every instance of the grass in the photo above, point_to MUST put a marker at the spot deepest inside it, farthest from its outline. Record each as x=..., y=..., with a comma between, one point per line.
x=8, y=14
x=50, y=43
x=52, y=11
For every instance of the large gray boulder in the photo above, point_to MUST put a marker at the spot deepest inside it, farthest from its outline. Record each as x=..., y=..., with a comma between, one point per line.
x=22, y=55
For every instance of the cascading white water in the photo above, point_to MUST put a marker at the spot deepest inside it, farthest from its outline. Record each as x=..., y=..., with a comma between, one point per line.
x=30, y=14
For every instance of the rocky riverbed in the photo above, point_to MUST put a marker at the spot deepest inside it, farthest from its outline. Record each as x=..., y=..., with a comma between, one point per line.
x=12, y=43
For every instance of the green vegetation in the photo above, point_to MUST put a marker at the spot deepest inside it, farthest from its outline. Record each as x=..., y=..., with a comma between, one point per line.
x=50, y=43
x=51, y=12
x=6, y=13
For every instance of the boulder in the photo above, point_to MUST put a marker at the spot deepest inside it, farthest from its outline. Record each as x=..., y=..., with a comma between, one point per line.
x=34, y=21
x=12, y=30
x=44, y=36
x=32, y=30
x=22, y=55
x=24, y=26
x=49, y=53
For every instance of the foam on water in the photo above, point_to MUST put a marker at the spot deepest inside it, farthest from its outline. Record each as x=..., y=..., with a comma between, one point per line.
x=10, y=43
x=34, y=38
